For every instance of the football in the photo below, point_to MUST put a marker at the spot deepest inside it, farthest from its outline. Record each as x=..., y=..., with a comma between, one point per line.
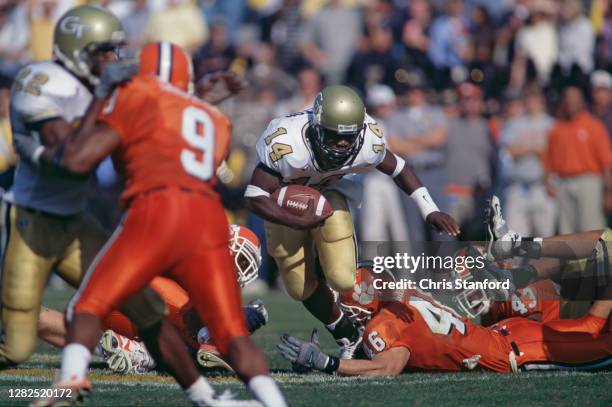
x=298, y=198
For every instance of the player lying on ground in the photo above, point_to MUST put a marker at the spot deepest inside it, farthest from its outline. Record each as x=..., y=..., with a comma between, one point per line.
x=415, y=333
x=168, y=145
x=121, y=346
x=317, y=148
x=539, y=301
x=579, y=262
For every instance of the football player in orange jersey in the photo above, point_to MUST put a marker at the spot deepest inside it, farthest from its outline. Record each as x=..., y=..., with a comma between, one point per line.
x=120, y=344
x=538, y=301
x=413, y=332
x=168, y=144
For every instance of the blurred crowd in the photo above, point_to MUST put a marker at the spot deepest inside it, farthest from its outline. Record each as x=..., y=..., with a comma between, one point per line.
x=512, y=97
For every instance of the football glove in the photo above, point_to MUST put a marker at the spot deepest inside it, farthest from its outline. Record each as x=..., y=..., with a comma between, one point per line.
x=114, y=74
x=256, y=315
x=307, y=353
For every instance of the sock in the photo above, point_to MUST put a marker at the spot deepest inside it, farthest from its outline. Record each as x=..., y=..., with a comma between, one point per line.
x=264, y=389
x=589, y=323
x=523, y=276
x=75, y=361
x=200, y=391
x=343, y=327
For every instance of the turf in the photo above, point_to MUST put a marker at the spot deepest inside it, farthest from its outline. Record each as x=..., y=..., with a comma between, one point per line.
x=533, y=389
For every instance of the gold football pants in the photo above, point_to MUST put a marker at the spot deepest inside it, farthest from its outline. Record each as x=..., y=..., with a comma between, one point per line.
x=34, y=244
x=294, y=251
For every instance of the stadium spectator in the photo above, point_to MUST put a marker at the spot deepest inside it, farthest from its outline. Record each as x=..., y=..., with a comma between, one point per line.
x=309, y=84
x=285, y=34
x=601, y=92
x=266, y=74
x=330, y=38
x=417, y=133
x=382, y=217
x=576, y=38
x=469, y=156
x=528, y=209
x=14, y=37
x=536, y=45
x=181, y=23
x=376, y=62
x=414, y=35
x=603, y=25
x=449, y=39
x=217, y=54
x=135, y=23
x=579, y=157
x=42, y=23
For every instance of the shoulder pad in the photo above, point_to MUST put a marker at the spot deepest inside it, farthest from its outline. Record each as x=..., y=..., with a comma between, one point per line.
x=40, y=90
x=374, y=143
x=281, y=146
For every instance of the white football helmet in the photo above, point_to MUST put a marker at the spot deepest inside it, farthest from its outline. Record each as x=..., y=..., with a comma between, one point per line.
x=472, y=302
x=245, y=249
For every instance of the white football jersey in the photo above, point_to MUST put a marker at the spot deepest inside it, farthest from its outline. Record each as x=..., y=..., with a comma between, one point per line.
x=45, y=91
x=283, y=147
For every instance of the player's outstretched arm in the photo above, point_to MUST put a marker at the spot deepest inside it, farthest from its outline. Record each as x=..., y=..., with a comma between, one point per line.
x=408, y=182
x=308, y=354
x=258, y=197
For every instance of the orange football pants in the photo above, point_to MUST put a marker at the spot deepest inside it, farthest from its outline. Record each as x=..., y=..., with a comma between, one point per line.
x=541, y=345
x=176, y=300
x=181, y=235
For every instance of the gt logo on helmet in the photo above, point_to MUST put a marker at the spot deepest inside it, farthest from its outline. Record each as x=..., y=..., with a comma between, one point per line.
x=72, y=25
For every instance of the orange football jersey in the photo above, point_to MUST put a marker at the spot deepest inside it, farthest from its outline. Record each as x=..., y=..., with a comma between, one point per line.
x=436, y=336
x=538, y=301
x=168, y=137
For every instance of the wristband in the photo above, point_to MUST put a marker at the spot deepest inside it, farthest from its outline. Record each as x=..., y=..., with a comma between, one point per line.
x=253, y=191
x=424, y=201
x=333, y=363
x=399, y=166
x=37, y=153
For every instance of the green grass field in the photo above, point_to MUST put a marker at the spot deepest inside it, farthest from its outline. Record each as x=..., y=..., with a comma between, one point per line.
x=527, y=389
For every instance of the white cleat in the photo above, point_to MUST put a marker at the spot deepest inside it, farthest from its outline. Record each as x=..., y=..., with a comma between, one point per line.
x=349, y=347
x=502, y=241
x=124, y=355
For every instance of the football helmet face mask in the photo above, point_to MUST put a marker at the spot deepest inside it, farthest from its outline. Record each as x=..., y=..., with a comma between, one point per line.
x=246, y=251
x=169, y=63
x=337, y=124
x=82, y=34
x=363, y=301
x=472, y=301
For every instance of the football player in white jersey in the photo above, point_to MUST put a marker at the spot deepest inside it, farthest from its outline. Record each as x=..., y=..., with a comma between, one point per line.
x=45, y=226
x=317, y=148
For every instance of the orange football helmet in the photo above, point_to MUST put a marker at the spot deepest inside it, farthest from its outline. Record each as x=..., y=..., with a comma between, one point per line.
x=245, y=249
x=363, y=301
x=169, y=62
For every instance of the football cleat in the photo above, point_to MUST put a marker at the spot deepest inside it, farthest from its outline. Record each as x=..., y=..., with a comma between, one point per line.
x=66, y=393
x=124, y=355
x=209, y=357
x=350, y=347
x=503, y=242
